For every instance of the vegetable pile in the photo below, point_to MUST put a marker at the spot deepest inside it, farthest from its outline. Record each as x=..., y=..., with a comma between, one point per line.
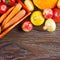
x=49, y=13
x=11, y=12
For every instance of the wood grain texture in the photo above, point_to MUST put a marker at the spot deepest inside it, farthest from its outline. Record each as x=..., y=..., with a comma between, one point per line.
x=35, y=45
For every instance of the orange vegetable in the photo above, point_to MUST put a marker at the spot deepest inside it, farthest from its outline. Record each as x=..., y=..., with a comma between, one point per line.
x=43, y=4
x=5, y=14
x=0, y=29
x=15, y=19
x=12, y=14
x=11, y=27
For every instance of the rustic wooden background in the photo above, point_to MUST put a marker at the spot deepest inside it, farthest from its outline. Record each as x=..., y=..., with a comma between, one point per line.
x=35, y=45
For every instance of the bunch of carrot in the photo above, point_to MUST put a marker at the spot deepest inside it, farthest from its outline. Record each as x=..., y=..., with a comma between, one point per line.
x=13, y=15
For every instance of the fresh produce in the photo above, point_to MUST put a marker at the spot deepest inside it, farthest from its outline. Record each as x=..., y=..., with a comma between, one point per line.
x=29, y=4
x=16, y=18
x=3, y=8
x=56, y=14
x=27, y=26
x=5, y=14
x=58, y=4
x=12, y=14
x=37, y=18
x=43, y=4
x=9, y=2
x=0, y=29
x=0, y=0
x=50, y=25
x=48, y=13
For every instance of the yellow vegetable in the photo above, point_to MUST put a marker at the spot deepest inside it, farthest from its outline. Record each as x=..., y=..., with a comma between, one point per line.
x=29, y=5
x=50, y=25
x=37, y=18
x=58, y=4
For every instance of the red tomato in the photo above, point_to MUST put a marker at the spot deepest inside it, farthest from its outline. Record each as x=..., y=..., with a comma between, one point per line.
x=3, y=8
x=56, y=14
x=27, y=26
x=48, y=13
x=9, y=2
x=0, y=0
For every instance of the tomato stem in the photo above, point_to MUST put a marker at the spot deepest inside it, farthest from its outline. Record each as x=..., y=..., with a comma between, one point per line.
x=7, y=1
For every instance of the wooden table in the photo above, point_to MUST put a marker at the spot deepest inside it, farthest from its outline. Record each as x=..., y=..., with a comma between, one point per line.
x=35, y=45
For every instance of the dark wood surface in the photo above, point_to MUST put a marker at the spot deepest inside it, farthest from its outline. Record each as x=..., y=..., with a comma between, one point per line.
x=35, y=45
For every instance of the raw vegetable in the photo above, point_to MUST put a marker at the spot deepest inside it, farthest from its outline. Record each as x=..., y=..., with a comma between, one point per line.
x=5, y=14
x=27, y=26
x=3, y=8
x=43, y=4
x=50, y=25
x=37, y=18
x=0, y=29
x=58, y=4
x=0, y=0
x=29, y=4
x=15, y=19
x=10, y=28
x=12, y=14
x=9, y=2
x=48, y=13
x=56, y=14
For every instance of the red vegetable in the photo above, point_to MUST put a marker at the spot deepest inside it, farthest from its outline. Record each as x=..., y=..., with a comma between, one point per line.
x=48, y=13
x=27, y=26
x=0, y=0
x=9, y=2
x=56, y=14
x=3, y=8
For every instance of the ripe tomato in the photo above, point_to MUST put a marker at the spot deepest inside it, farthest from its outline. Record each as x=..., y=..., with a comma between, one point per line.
x=3, y=8
x=56, y=14
x=27, y=26
x=48, y=13
x=9, y=2
x=0, y=0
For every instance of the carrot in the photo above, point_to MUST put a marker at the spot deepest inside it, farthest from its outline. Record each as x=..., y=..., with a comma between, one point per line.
x=12, y=14
x=11, y=27
x=0, y=29
x=15, y=19
x=5, y=14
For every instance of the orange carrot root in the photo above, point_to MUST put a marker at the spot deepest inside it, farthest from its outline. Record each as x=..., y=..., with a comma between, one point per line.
x=15, y=19
x=5, y=14
x=12, y=14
